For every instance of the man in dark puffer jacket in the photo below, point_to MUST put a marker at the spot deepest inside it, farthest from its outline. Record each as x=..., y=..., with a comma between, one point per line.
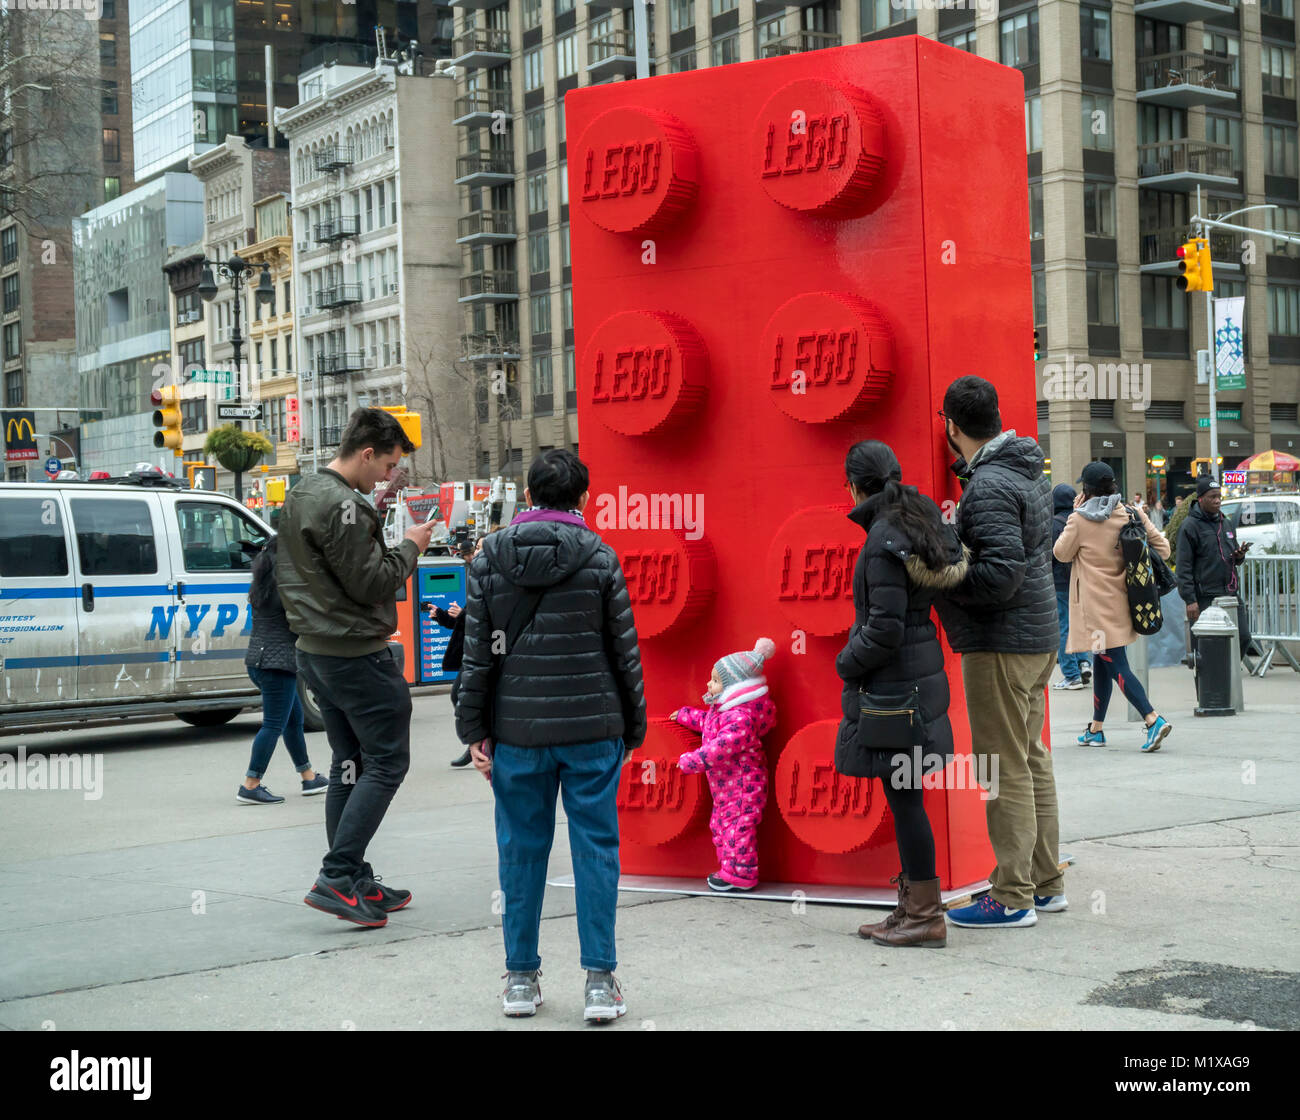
x=551, y=696
x=1002, y=619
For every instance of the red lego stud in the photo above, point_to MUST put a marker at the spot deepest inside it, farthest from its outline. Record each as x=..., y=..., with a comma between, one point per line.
x=670, y=578
x=821, y=148
x=826, y=810
x=656, y=801
x=810, y=569
x=645, y=368
x=830, y=353
x=638, y=170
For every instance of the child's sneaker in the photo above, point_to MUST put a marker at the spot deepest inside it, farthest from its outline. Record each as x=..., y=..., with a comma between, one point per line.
x=1051, y=904
x=1157, y=733
x=985, y=913
x=718, y=883
x=1091, y=738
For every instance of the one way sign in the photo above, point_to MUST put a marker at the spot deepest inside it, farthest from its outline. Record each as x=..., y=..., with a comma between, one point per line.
x=239, y=412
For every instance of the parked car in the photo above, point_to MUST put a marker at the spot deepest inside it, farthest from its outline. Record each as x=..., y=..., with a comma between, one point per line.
x=1266, y=520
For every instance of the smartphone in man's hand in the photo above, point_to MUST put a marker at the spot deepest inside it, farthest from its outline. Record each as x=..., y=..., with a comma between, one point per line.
x=420, y=534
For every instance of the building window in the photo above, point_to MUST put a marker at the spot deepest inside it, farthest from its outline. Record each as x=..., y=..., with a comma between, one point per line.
x=1283, y=8
x=539, y=307
x=537, y=192
x=1094, y=33
x=535, y=131
x=108, y=98
x=288, y=287
x=565, y=260
x=562, y=6
x=1278, y=67
x=1097, y=115
x=720, y=6
x=568, y=309
x=564, y=183
x=9, y=245
x=1285, y=219
x=13, y=340
x=681, y=61
x=1035, y=211
x=1099, y=209
x=725, y=50
x=566, y=54
x=1228, y=47
x=533, y=69
x=190, y=354
x=1101, y=297
x=876, y=15
x=961, y=40
x=1034, y=124
x=1039, y=284
x=112, y=146
x=1280, y=150
x=1226, y=131
x=107, y=48
x=11, y=293
x=532, y=14
x=1163, y=306
x=681, y=14
x=539, y=252
x=112, y=187
x=1283, y=309
x=1019, y=41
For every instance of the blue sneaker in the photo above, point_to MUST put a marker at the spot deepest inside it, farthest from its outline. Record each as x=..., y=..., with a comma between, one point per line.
x=985, y=913
x=1091, y=738
x=1051, y=904
x=1157, y=733
x=258, y=795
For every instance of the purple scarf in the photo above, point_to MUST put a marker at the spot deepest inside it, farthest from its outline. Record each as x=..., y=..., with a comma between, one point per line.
x=541, y=514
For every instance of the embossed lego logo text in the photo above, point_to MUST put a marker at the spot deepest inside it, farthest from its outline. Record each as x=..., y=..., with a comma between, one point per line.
x=817, y=789
x=622, y=170
x=818, y=572
x=636, y=373
x=819, y=143
x=667, y=795
x=821, y=357
x=651, y=576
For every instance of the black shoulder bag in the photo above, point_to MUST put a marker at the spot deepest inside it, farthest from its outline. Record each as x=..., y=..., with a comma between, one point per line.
x=1140, y=576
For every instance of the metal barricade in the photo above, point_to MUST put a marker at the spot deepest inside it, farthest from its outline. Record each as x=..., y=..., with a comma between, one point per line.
x=1270, y=588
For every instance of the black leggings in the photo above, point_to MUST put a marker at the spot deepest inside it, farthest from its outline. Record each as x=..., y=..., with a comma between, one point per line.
x=912, y=828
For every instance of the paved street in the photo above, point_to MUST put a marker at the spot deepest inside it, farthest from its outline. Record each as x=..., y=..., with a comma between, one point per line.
x=164, y=905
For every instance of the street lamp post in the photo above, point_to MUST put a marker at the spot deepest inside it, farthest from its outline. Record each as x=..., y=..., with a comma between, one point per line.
x=237, y=270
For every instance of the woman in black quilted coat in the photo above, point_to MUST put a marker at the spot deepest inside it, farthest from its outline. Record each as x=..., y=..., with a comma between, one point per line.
x=909, y=555
x=273, y=666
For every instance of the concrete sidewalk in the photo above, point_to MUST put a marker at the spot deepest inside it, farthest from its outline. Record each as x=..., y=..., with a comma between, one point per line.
x=166, y=906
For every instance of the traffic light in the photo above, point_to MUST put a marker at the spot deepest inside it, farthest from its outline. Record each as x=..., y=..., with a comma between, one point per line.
x=410, y=422
x=167, y=418
x=1195, y=269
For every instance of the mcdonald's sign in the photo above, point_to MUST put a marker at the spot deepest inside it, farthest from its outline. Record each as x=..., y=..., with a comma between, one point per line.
x=20, y=436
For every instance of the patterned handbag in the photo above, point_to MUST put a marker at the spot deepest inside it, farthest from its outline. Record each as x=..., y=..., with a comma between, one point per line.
x=1140, y=576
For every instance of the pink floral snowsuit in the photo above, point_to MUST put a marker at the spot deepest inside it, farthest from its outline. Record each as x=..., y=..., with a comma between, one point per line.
x=731, y=755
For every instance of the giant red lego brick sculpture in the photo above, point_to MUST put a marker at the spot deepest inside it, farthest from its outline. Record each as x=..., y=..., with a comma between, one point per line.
x=773, y=260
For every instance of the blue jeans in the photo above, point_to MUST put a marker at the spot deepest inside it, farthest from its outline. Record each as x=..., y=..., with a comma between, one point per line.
x=1069, y=662
x=281, y=715
x=525, y=781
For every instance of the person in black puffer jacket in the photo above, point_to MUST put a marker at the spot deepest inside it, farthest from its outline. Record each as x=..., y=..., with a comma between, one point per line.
x=551, y=695
x=1002, y=619
x=272, y=665
x=909, y=555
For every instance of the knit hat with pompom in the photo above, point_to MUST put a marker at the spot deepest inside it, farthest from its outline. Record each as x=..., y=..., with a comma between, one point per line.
x=743, y=666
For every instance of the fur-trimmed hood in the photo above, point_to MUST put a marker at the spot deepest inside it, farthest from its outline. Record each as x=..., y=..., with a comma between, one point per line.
x=940, y=579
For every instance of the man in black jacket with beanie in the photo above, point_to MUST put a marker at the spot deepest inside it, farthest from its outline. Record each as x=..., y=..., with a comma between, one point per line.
x=1002, y=619
x=1208, y=557
x=551, y=698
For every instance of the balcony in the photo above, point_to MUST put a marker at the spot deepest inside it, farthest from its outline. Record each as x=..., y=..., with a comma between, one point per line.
x=329, y=437
x=476, y=5
x=338, y=296
x=1156, y=254
x=476, y=108
x=612, y=55
x=489, y=347
x=333, y=157
x=338, y=227
x=485, y=169
x=1186, y=79
x=341, y=362
x=798, y=43
x=1179, y=165
x=481, y=48
x=1181, y=11
x=486, y=227
x=489, y=287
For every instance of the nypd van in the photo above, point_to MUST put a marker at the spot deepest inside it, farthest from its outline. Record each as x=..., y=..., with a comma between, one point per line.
x=125, y=598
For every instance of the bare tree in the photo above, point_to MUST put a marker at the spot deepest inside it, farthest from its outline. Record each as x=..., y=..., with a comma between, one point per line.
x=442, y=387
x=50, y=154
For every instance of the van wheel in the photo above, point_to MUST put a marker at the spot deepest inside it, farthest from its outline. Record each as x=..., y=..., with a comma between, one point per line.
x=311, y=717
x=210, y=718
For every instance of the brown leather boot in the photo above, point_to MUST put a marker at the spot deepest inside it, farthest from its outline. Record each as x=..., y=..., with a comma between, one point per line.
x=923, y=924
x=891, y=919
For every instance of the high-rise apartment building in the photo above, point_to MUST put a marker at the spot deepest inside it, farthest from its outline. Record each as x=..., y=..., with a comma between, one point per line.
x=1127, y=110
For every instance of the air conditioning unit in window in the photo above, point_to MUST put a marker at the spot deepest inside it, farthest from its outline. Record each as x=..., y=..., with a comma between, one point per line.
x=211, y=218
x=392, y=289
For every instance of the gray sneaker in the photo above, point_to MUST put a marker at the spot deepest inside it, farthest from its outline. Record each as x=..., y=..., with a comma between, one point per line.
x=604, y=998
x=523, y=994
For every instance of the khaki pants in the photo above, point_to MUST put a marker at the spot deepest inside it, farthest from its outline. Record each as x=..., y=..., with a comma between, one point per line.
x=1006, y=707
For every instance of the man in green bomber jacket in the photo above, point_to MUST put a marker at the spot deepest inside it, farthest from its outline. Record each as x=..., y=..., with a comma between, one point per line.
x=338, y=582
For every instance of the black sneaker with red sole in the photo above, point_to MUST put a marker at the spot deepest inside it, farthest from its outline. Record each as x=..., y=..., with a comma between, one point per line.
x=382, y=897
x=350, y=906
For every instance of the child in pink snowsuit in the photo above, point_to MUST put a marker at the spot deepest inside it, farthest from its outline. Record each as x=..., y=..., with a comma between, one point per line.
x=731, y=755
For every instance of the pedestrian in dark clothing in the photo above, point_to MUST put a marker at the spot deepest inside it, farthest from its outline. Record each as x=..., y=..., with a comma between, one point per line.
x=1002, y=619
x=273, y=667
x=453, y=619
x=1075, y=667
x=339, y=582
x=1208, y=558
x=551, y=697
x=909, y=555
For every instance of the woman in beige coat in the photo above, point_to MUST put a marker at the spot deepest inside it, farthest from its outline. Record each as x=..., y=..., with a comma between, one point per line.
x=1099, y=610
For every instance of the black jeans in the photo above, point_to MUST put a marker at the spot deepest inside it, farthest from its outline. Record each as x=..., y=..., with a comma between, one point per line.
x=366, y=705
